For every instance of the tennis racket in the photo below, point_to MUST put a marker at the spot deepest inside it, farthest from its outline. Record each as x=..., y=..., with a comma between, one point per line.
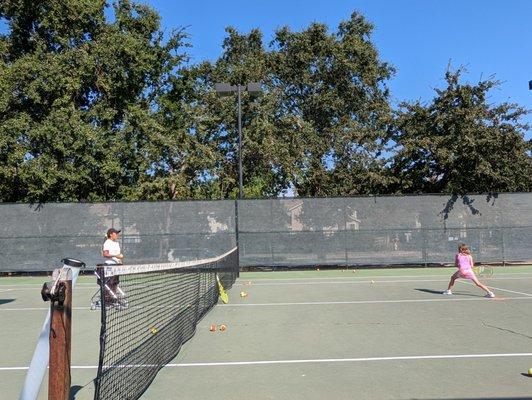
x=221, y=290
x=483, y=270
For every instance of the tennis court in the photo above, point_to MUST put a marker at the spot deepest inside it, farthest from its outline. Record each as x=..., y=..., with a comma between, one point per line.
x=343, y=334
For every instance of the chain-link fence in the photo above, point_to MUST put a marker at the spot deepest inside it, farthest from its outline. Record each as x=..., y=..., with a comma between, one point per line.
x=384, y=230
x=292, y=232
x=36, y=238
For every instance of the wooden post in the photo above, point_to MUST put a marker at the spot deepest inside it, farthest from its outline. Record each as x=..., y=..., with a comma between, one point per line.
x=60, y=344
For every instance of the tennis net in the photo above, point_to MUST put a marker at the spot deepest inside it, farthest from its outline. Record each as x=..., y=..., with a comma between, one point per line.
x=147, y=312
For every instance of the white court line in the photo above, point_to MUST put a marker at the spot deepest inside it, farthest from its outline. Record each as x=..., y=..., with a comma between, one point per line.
x=310, y=281
x=321, y=303
x=243, y=279
x=511, y=291
x=361, y=359
x=500, y=289
x=308, y=361
x=357, y=282
x=312, y=303
x=444, y=278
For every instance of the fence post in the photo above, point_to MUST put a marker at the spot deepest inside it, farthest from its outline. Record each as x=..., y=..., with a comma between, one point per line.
x=502, y=248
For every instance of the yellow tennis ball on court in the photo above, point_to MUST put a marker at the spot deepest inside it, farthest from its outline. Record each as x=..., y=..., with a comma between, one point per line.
x=153, y=330
x=530, y=372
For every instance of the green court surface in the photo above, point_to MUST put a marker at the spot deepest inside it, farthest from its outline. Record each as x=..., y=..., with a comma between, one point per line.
x=330, y=334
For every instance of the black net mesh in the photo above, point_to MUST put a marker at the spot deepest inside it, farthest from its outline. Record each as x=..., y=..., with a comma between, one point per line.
x=148, y=312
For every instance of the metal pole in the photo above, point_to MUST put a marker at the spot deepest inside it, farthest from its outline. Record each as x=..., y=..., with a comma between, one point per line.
x=240, y=185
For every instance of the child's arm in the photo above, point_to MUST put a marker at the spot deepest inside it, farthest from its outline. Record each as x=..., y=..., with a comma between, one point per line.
x=471, y=261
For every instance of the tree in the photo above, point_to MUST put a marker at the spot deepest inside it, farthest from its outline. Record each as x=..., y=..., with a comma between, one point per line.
x=319, y=126
x=210, y=125
x=459, y=143
x=78, y=100
x=93, y=109
x=333, y=94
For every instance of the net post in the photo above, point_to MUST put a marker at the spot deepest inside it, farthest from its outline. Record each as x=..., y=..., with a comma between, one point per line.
x=60, y=343
x=424, y=249
x=503, y=254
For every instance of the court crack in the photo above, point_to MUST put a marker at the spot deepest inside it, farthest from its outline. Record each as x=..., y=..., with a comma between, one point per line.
x=507, y=330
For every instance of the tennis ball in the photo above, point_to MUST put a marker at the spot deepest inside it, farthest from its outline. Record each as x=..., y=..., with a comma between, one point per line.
x=223, y=327
x=530, y=372
x=153, y=330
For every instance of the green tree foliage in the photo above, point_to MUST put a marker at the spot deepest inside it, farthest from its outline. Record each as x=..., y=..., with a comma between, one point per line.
x=212, y=125
x=94, y=107
x=459, y=143
x=332, y=92
x=319, y=126
x=78, y=99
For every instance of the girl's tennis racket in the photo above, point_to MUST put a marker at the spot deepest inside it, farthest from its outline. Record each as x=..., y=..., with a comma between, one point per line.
x=484, y=271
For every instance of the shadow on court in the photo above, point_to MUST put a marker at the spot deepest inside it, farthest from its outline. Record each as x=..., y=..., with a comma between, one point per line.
x=5, y=301
x=430, y=291
x=73, y=390
x=455, y=293
x=76, y=390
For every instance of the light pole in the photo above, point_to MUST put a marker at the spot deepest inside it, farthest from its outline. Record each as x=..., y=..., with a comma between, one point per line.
x=225, y=89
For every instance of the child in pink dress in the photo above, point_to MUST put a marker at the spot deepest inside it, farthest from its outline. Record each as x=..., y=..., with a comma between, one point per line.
x=464, y=263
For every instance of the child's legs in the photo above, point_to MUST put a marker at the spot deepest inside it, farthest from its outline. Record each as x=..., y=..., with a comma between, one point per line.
x=480, y=285
x=454, y=277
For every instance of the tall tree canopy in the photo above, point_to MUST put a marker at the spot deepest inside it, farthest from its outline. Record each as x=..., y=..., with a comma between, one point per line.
x=96, y=105
x=320, y=125
x=78, y=97
x=332, y=90
x=459, y=143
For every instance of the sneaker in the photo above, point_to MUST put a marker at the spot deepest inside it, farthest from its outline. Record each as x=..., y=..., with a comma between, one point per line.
x=490, y=295
x=447, y=292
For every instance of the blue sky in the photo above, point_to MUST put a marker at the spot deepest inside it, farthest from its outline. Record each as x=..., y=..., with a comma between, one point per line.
x=418, y=37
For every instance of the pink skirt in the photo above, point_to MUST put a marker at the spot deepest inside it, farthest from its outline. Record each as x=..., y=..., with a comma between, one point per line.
x=465, y=274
